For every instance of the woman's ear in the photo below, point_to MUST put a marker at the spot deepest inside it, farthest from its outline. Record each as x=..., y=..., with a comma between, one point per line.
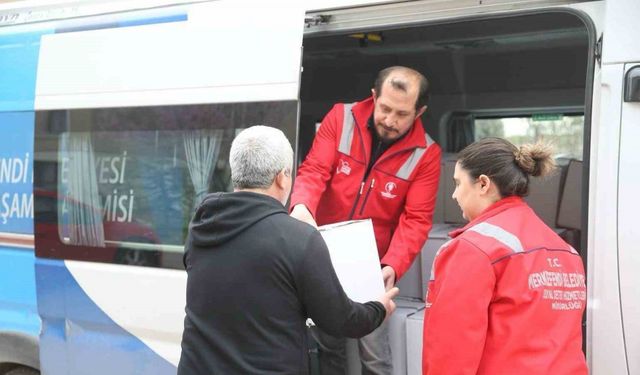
x=485, y=183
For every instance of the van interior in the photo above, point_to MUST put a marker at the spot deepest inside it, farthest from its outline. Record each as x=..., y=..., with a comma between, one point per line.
x=524, y=77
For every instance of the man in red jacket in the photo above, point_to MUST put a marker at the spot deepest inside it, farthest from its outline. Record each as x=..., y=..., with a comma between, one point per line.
x=373, y=159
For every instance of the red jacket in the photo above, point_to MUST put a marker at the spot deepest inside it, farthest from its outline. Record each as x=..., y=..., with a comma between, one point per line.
x=399, y=194
x=506, y=296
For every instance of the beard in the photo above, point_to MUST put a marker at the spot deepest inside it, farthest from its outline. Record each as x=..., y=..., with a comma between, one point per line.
x=387, y=135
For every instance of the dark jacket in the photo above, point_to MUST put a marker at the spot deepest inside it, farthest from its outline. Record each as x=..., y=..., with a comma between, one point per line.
x=254, y=276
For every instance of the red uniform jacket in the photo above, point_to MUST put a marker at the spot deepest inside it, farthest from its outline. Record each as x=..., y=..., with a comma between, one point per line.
x=398, y=195
x=506, y=296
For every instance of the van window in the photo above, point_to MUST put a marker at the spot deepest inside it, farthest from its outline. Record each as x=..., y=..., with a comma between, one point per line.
x=563, y=131
x=128, y=180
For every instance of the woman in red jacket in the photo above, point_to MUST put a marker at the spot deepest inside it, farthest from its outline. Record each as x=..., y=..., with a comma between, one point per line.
x=506, y=295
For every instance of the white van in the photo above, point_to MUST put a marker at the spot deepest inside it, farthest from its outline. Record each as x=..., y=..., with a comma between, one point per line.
x=118, y=117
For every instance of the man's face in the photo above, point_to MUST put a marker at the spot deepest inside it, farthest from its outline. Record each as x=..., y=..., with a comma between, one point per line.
x=394, y=111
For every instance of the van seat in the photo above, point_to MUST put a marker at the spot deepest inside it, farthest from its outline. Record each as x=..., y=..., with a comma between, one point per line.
x=447, y=163
x=446, y=217
x=452, y=213
x=544, y=196
x=570, y=213
x=413, y=283
x=570, y=210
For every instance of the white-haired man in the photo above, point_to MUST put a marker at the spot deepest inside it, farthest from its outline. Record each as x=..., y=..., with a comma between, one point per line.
x=255, y=274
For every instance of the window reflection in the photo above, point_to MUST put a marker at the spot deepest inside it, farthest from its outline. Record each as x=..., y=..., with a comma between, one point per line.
x=129, y=179
x=564, y=132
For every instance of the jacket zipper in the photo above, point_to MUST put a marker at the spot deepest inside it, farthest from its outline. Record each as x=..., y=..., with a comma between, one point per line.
x=373, y=180
x=366, y=163
x=355, y=204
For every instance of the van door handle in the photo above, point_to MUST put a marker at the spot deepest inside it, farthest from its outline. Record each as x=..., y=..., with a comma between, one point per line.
x=632, y=85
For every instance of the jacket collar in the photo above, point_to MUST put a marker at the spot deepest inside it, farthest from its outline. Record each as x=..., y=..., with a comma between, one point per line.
x=363, y=110
x=496, y=208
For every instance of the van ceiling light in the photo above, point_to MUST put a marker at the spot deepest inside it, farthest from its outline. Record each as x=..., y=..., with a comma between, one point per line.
x=364, y=38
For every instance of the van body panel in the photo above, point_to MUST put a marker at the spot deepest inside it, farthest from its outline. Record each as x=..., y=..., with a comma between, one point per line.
x=623, y=27
x=18, y=311
x=80, y=337
x=19, y=320
x=595, y=10
x=606, y=352
x=108, y=67
x=628, y=231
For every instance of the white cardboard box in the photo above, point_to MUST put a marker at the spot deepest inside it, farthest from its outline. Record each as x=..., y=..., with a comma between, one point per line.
x=397, y=339
x=414, y=343
x=413, y=283
x=354, y=255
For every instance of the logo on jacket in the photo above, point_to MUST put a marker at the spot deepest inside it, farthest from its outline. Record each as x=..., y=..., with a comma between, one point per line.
x=388, y=188
x=343, y=167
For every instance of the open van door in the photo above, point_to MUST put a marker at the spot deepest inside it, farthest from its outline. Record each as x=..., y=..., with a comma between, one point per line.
x=134, y=120
x=502, y=60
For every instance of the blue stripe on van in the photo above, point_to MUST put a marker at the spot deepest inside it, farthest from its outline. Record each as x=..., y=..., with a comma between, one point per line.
x=160, y=19
x=18, y=310
x=18, y=67
x=91, y=23
x=79, y=338
x=19, y=52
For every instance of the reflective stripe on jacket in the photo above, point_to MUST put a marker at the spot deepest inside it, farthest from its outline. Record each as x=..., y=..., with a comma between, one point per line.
x=506, y=296
x=399, y=193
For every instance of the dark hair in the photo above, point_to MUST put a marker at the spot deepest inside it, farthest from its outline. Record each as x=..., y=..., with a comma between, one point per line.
x=506, y=165
x=423, y=89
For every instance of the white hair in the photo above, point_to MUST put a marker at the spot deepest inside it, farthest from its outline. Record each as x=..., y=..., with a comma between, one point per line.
x=257, y=155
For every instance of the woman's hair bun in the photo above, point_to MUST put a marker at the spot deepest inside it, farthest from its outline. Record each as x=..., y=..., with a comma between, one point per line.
x=535, y=159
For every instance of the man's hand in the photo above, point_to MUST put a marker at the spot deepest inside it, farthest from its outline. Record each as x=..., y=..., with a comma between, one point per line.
x=387, y=301
x=301, y=213
x=388, y=276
